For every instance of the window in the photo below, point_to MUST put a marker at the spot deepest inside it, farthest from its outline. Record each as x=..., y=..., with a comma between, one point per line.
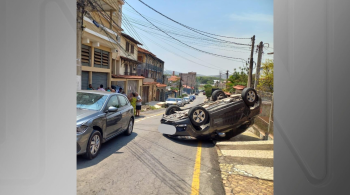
x=101, y=59
x=132, y=49
x=85, y=55
x=123, y=100
x=140, y=59
x=90, y=101
x=113, y=101
x=127, y=46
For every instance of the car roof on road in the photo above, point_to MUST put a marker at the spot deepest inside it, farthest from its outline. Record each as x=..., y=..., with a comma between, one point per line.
x=97, y=92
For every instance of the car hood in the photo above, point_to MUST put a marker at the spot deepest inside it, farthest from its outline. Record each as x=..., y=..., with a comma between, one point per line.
x=84, y=114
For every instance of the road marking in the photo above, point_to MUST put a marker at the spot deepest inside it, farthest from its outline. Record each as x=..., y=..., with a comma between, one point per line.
x=148, y=117
x=197, y=171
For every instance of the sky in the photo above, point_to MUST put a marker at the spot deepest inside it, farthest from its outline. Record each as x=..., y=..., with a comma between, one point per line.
x=233, y=18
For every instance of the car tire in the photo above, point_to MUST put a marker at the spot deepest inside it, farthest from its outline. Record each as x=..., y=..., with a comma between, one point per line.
x=130, y=127
x=171, y=110
x=94, y=145
x=249, y=96
x=198, y=116
x=218, y=93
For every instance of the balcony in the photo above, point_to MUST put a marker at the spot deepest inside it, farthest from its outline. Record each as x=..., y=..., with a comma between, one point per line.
x=130, y=73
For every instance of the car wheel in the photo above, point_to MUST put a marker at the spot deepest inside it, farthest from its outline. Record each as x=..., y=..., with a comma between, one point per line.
x=171, y=110
x=94, y=145
x=218, y=94
x=130, y=127
x=249, y=96
x=198, y=115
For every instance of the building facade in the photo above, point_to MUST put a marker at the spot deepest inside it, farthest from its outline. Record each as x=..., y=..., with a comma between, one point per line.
x=189, y=79
x=150, y=66
x=109, y=57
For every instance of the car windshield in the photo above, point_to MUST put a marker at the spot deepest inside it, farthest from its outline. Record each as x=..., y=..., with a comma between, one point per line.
x=187, y=98
x=90, y=101
x=171, y=99
x=179, y=99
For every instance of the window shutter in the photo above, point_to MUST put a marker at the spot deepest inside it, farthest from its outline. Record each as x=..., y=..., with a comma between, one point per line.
x=85, y=55
x=127, y=46
x=97, y=57
x=105, y=59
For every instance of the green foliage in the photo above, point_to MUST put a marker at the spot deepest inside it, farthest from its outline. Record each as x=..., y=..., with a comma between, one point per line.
x=206, y=79
x=152, y=107
x=184, y=95
x=207, y=89
x=174, y=88
x=266, y=77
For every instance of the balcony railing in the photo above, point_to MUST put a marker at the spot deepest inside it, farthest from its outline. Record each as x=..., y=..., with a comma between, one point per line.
x=130, y=73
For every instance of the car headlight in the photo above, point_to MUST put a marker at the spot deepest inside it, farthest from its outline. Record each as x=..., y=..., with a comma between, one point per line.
x=174, y=103
x=81, y=129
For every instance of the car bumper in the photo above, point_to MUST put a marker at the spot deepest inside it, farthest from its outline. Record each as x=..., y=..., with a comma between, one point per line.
x=82, y=141
x=178, y=132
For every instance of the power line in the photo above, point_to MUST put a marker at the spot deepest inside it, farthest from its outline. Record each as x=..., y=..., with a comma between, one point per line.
x=193, y=29
x=192, y=37
x=182, y=42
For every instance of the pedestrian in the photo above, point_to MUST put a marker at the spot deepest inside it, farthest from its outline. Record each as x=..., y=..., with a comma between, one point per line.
x=101, y=88
x=138, y=104
x=120, y=90
x=108, y=89
x=132, y=98
x=90, y=87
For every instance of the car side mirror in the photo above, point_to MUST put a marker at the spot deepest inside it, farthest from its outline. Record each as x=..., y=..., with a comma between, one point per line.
x=112, y=109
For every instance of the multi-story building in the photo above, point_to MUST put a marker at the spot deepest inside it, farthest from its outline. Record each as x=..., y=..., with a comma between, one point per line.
x=189, y=79
x=151, y=66
x=109, y=57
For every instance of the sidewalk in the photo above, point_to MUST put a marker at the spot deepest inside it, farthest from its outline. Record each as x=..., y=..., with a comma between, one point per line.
x=246, y=164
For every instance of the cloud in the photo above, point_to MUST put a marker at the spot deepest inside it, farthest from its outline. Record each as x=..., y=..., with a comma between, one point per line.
x=252, y=17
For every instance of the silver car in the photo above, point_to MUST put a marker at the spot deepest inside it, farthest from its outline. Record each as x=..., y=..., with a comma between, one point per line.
x=181, y=102
x=172, y=101
x=187, y=100
x=100, y=117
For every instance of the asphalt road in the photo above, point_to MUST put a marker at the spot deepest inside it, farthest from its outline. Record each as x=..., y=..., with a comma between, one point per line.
x=147, y=162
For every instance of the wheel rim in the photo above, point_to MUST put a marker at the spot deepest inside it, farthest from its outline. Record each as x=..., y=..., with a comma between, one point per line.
x=130, y=126
x=95, y=144
x=251, y=96
x=198, y=116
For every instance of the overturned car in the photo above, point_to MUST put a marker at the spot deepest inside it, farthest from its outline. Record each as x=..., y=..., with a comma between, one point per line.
x=221, y=117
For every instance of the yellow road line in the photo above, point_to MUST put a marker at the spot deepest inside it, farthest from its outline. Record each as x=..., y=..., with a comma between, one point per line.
x=197, y=171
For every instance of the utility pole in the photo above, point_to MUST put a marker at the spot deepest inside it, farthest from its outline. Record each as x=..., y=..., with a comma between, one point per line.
x=251, y=64
x=257, y=74
x=226, y=77
x=80, y=18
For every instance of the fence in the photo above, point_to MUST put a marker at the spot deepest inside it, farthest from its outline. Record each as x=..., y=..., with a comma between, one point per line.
x=264, y=121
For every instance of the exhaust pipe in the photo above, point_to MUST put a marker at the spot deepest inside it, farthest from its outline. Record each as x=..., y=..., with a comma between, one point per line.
x=221, y=134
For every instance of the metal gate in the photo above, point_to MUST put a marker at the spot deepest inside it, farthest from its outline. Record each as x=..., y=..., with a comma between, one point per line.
x=99, y=78
x=145, y=94
x=132, y=86
x=84, y=80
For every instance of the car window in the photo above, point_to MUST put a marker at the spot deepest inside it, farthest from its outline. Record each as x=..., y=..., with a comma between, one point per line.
x=123, y=101
x=113, y=101
x=90, y=101
x=171, y=99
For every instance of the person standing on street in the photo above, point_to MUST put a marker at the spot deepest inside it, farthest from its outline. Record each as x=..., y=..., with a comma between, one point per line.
x=138, y=104
x=101, y=88
x=132, y=98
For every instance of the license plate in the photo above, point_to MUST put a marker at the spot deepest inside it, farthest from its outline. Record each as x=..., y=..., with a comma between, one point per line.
x=167, y=129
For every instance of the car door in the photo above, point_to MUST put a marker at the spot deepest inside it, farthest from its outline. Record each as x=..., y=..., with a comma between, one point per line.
x=125, y=112
x=113, y=119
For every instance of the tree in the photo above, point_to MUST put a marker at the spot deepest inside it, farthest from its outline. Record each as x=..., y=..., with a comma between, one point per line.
x=207, y=89
x=266, y=77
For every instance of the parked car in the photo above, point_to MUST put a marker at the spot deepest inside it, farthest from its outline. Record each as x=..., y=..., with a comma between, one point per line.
x=187, y=100
x=221, y=117
x=100, y=117
x=181, y=102
x=203, y=92
x=196, y=93
x=191, y=98
x=172, y=101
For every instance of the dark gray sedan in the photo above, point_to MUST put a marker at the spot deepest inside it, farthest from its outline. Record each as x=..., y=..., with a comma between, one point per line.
x=100, y=117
